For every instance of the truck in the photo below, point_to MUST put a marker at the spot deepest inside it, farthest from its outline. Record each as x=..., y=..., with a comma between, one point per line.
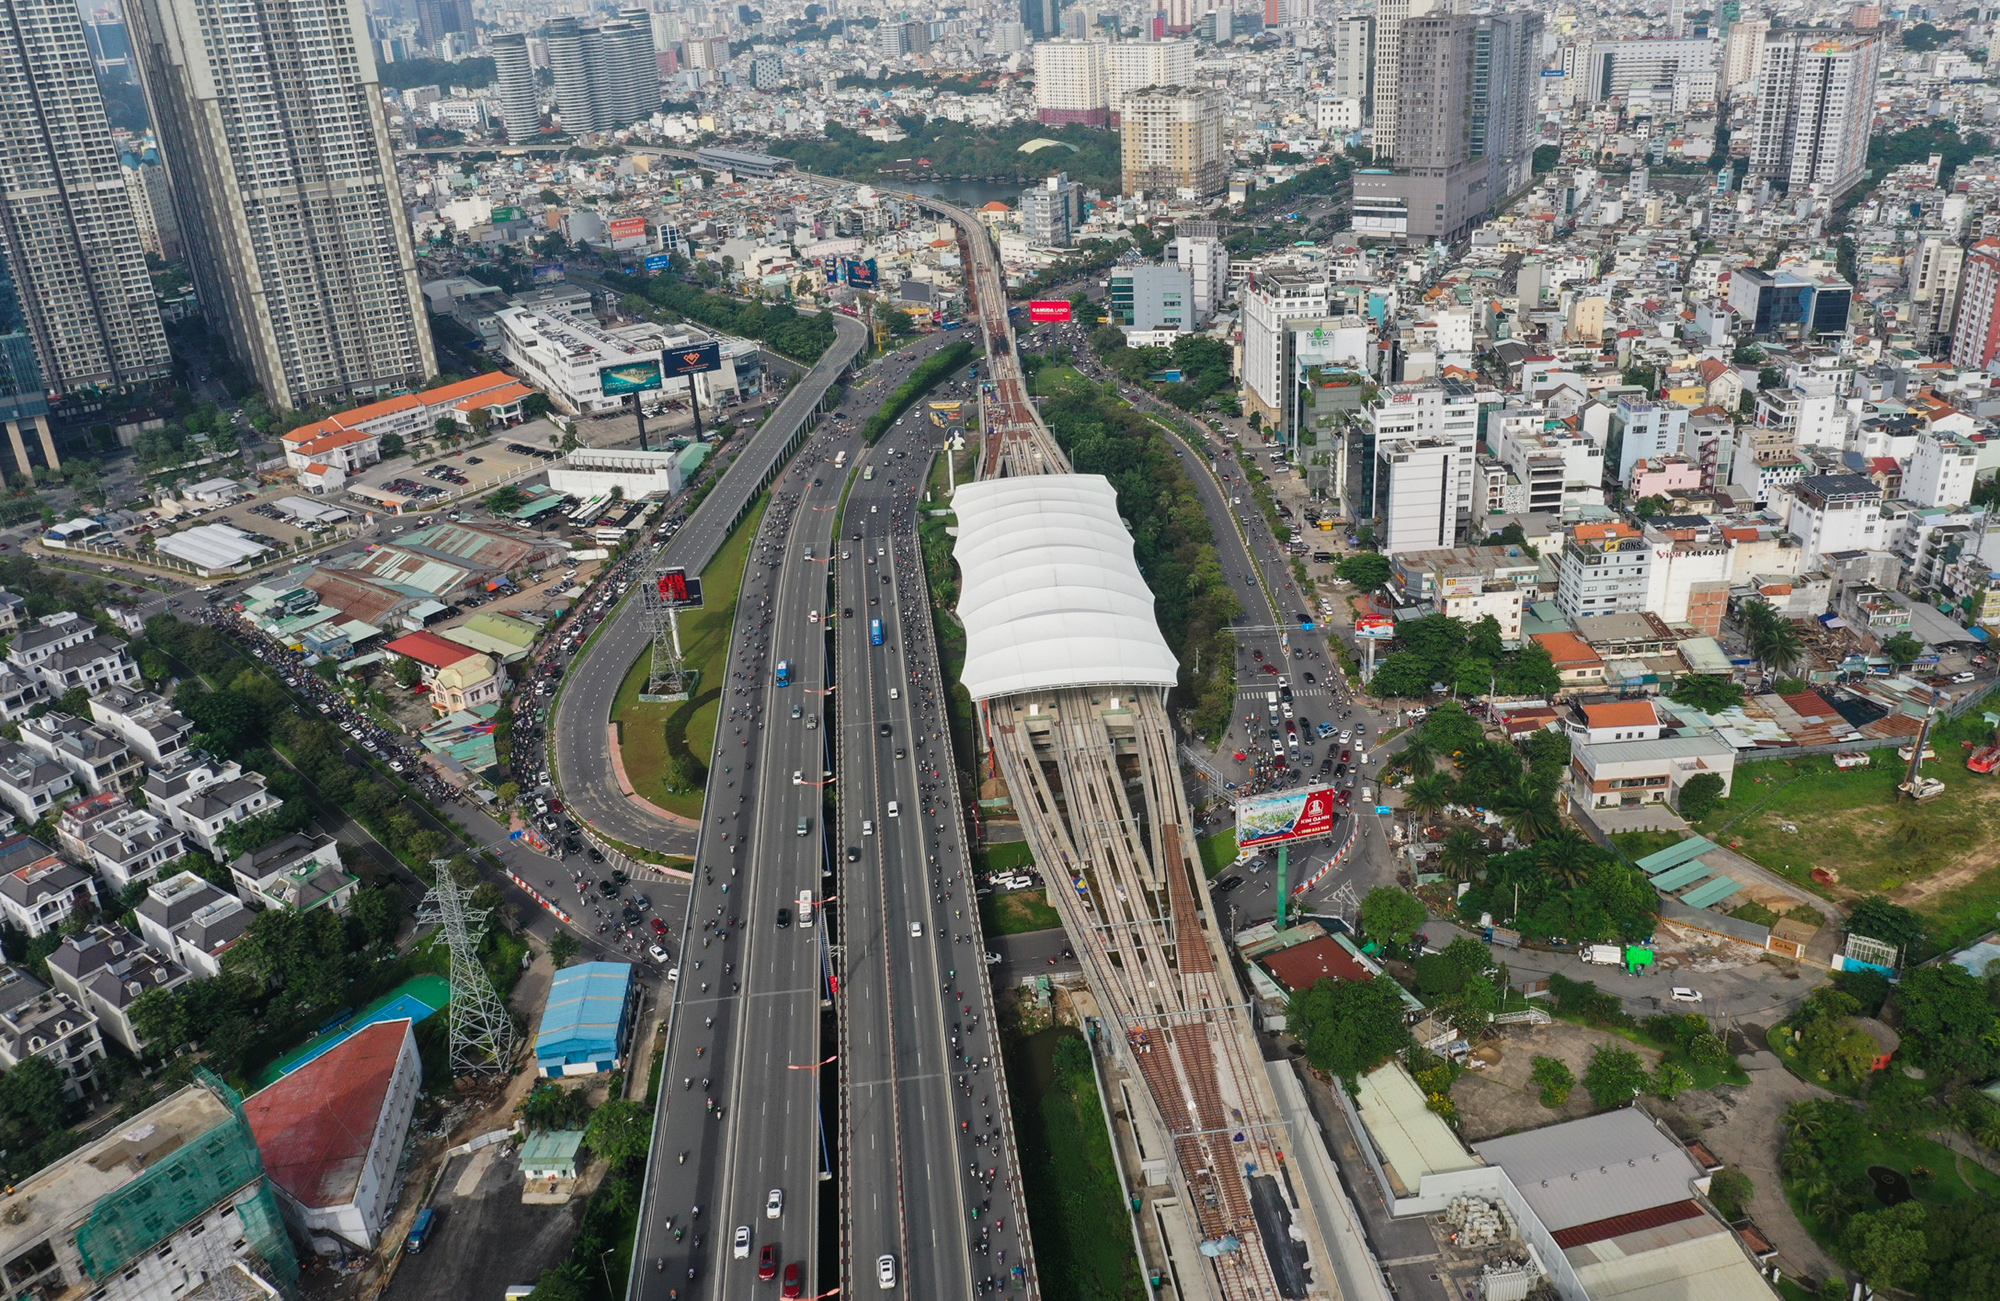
x=420, y=1230
x=1504, y=937
x=1604, y=955
x=784, y=673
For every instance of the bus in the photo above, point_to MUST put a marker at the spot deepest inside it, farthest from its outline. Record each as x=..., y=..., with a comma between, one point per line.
x=805, y=910
x=840, y=459
x=784, y=673
x=867, y=472
x=874, y=632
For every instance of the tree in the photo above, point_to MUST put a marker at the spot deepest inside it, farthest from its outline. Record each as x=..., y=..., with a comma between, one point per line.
x=1390, y=916
x=1670, y=1081
x=1651, y=507
x=1554, y=1078
x=1947, y=1020
x=1428, y=795
x=445, y=427
x=1709, y=692
x=1463, y=854
x=1614, y=1076
x=563, y=949
x=1526, y=809
x=1903, y=648
x=1699, y=794
x=1349, y=1027
x=1888, y=1248
x=408, y=672
x=1473, y=1007
x=1367, y=570
x=619, y=1131
x=1731, y=1191
x=552, y=1106
x=505, y=499
x=1566, y=856
x=1890, y=923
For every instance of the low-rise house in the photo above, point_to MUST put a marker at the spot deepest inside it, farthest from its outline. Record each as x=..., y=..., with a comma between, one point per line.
x=98, y=760
x=1615, y=720
x=36, y=1021
x=1632, y=774
x=20, y=691
x=296, y=872
x=63, y=651
x=193, y=921
x=124, y=844
x=30, y=784
x=459, y=677
x=204, y=798
x=104, y=970
x=38, y=890
x=144, y=721
x=13, y=611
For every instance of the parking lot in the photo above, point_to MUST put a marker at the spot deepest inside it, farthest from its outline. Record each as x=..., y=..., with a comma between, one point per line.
x=470, y=469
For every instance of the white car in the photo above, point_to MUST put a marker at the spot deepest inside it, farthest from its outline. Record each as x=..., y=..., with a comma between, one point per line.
x=812, y=616
x=774, y=1204
x=895, y=694
x=885, y=1273
x=992, y=959
x=1682, y=994
x=895, y=809
x=916, y=930
x=740, y=1248
x=657, y=953
x=798, y=777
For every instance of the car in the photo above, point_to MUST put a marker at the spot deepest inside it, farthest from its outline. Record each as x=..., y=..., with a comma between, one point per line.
x=1346, y=756
x=853, y=853
x=798, y=711
x=805, y=825
x=882, y=729
x=895, y=693
x=656, y=953
x=794, y=1284
x=596, y=855
x=740, y=1245
x=885, y=1272
x=798, y=779
x=916, y=930
x=847, y=612
x=774, y=1203
x=784, y=918
x=1682, y=994
x=1229, y=882
x=1344, y=798
x=659, y=927
x=1963, y=677
x=992, y=959
x=1310, y=679
x=895, y=809
x=1257, y=655
x=1271, y=669
x=867, y=826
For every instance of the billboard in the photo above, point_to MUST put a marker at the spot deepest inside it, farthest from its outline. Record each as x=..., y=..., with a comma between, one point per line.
x=862, y=275
x=627, y=228
x=944, y=414
x=1289, y=815
x=548, y=273
x=1375, y=628
x=675, y=588
x=695, y=359
x=1043, y=310
x=659, y=261
x=505, y=214
x=629, y=377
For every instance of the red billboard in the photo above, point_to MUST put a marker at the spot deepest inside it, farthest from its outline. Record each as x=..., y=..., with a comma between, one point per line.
x=1291, y=815
x=1043, y=311
x=628, y=228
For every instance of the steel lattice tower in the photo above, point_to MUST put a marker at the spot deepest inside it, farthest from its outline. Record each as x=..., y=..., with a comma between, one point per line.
x=669, y=677
x=482, y=1034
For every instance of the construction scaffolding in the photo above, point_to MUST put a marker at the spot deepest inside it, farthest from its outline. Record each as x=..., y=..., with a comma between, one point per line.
x=482, y=1034
x=221, y=1165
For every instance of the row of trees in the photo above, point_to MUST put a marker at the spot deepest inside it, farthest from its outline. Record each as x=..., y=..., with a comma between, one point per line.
x=1440, y=652
x=1204, y=364
x=781, y=326
x=1171, y=538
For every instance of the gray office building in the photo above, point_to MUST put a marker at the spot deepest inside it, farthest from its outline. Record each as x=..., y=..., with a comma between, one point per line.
x=606, y=77
x=515, y=74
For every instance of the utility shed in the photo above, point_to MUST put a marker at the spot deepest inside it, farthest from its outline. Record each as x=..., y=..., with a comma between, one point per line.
x=587, y=1022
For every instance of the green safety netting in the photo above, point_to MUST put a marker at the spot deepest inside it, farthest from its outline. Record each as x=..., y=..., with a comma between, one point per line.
x=184, y=1186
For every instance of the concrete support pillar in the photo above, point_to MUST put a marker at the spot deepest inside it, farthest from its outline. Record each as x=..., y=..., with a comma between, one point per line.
x=20, y=448
x=48, y=443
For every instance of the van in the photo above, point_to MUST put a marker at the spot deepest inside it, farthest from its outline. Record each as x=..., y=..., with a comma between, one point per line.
x=420, y=1230
x=805, y=909
x=867, y=826
x=895, y=809
x=805, y=825
x=1682, y=994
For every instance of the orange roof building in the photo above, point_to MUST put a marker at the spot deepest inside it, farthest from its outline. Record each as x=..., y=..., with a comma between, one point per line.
x=352, y=440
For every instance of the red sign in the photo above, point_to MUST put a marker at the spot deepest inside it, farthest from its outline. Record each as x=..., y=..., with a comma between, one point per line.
x=1290, y=815
x=628, y=228
x=674, y=585
x=1044, y=310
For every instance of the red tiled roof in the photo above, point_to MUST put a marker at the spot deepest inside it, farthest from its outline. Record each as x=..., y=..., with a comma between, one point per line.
x=314, y=1126
x=1617, y=1226
x=1567, y=649
x=1621, y=713
x=1305, y=965
x=429, y=648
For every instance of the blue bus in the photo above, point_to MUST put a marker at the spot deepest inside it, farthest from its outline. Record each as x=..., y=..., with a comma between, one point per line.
x=874, y=632
x=784, y=673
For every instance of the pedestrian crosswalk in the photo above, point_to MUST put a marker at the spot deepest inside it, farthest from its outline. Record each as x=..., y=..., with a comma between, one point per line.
x=1298, y=693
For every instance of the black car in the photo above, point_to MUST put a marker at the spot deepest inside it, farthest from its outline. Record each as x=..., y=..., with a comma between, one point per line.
x=632, y=916
x=1229, y=882
x=881, y=729
x=784, y=919
x=595, y=856
x=608, y=890
x=853, y=854
x=618, y=877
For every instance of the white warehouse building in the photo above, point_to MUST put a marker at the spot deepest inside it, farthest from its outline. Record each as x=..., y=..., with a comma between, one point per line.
x=594, y=472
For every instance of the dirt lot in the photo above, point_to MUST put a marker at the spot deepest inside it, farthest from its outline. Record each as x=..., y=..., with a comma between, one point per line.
x=1500, y=1099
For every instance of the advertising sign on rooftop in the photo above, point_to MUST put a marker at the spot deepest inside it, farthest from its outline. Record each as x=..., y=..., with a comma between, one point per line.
x=1289, y=815
x=1045, y=310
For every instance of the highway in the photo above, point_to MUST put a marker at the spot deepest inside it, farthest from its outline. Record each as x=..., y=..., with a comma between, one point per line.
x=927, y=1137
x=579, y=730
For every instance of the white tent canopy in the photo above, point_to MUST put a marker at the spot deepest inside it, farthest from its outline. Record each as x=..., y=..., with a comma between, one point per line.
x=1050, y=594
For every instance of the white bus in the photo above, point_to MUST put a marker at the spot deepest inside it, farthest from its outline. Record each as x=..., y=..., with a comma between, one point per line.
x=806, y=909
x=840, y=459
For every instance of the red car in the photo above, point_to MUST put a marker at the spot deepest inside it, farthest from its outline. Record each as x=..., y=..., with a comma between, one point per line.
x=1271, y=669
x=1344, y=757
x=767, y=1263
x=1343, y=798
x=1257, y=655
x=659, y=928
x=794, y=1284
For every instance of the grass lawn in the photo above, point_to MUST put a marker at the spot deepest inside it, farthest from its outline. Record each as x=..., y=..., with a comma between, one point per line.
x=1004, y=856
x=1705, y=1077
x=1795, y=815
x=1217, y=849
x=1779, y=1039
x=644, y=728
x=1016, y=913
x=1955, y=1179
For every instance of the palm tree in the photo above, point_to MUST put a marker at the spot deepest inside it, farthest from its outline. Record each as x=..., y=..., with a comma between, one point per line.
x=1526, y=809
x=1566, y=856
x=1804, y=1117
x=1463, y=854
x=1428, y=795
x=1419, y=754
x=1773, y=639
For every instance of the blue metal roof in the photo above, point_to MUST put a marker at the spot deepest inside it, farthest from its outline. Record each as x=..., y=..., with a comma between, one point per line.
x=584, y=1018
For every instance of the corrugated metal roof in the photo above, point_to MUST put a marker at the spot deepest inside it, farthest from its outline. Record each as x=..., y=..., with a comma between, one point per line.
x=1590, y=1169
x=1618, y=1225
x=1412, y=1139
x=585, y=1012
x=1712, y=1267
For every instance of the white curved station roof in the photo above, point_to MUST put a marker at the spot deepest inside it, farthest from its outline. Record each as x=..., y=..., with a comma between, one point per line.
x=1050, y=594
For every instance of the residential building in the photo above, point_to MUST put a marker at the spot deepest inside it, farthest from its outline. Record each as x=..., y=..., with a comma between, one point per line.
x=1131, y=66
x=80, y=1227
x=24, y=397
x=514, y=74
x=36, y=1021
x=1423, y=493
x=1197, y=249
x=1603, y=570
x=1975, y=339
x=1666, y=75
x=1071, y=85
x=1815, y=111
x=67, y=229
x=1353, y=73
x=153, y=728
x=31, y=785
x=606, y=75
x=204, y=798
x=1171, y=142
x=294, y=224
x=352, y=440
x=1785, y=305
x=124, y=844
x=1832, y=513
x=332, y=1133
x=1743, y=53
x=152, y=205
x=38, y=891
x=1594, y=723
x=459, y=677
x=767, y=72
x=1561, y=472
x=436, y=18
x=96, y=759
x=1633, y=774
x=1941, y=470
x=1390, y=15
x=1269, y=300
x=1041, y=19
x=104, y=969
x=1643, y=431
x=1051, y=212
x=193, y=921
x=1506, y=85
x=1151, y=298
x=1937, y=274
x=63, y=651
x=296, y=872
